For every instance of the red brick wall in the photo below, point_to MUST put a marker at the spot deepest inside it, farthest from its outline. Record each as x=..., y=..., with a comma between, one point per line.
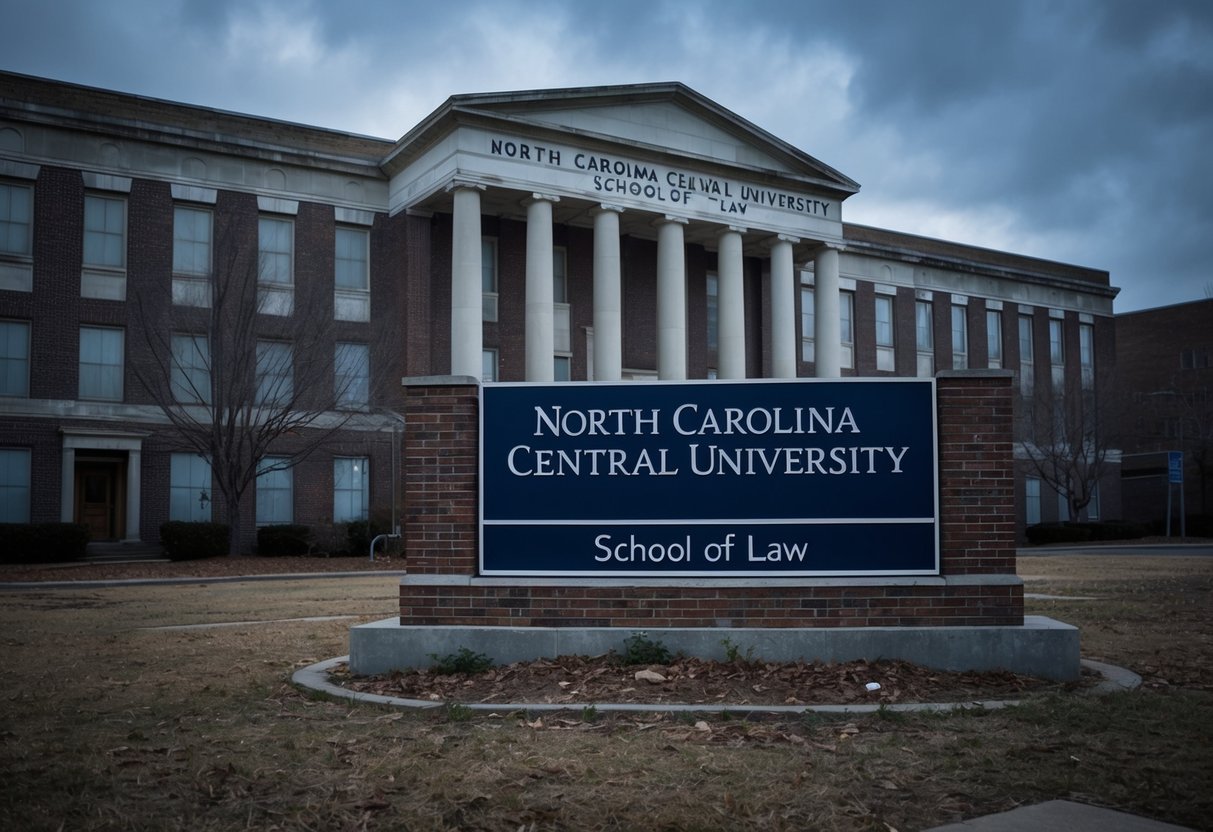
x=977, y=538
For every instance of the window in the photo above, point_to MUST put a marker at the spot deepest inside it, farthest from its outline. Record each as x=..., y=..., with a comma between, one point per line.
x=189, y=489
x=352, y=259
x=16, y=219
x=1027, y=363
x=350, y=489
x=1193, y=359
x=924, y=338
x=994, y=337
x=191, y=375
x=14, y=358
x=104, y=232
x=488, y=365
x=808, y=324
x=1057, y=352
x=101, y=361
x=191, y=241
x=275, y=373
x=276, y=251
x=488, y=277
x=713, y=293
x=275, y=491
x=1093, y=506
x=1031, y=488
x=846, y=328
x=885, y=356
x=562, y=368
x=352, y=375
x=960, y=338
x=1086, y=354
x=14, y=485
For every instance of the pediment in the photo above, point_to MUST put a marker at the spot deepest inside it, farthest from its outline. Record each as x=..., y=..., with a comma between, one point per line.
x=668, y=118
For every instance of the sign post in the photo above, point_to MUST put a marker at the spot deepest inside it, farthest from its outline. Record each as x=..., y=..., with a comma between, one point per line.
x=1175, y=475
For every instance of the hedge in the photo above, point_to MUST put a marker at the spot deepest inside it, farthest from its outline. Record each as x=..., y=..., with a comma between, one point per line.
x=190, y=541
x=287, y=540
x=42, y=542
x=1057, y=533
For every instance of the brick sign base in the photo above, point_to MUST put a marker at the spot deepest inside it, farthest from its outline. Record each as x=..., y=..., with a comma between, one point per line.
x=968, y=617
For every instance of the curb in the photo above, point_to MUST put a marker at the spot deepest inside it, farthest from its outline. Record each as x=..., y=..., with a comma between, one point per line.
x=223, y=579
x=315, y=677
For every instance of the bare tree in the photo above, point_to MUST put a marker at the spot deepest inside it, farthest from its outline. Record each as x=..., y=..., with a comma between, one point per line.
x=251, y=376
x=1067, y=440
x=1180, y=418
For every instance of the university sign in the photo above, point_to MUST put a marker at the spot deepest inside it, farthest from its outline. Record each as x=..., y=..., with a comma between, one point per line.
x=709, y=479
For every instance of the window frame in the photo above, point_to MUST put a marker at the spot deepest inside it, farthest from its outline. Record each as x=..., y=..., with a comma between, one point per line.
x=362, y=489
x=274, y=386
x=808, y=323
x=344, y=382
x=105, y=234
x=187, y=493
x=712, y=301
x=264, y=251
x=120, y=367
x=8, y=224
x=960, y=337
x=190, y=379
x=924, y=337
x=16, y=492
x=181, y=241
x=12, y=365
x=364, y=262
x=886, y=341
x=268, y=488
x=994, y=345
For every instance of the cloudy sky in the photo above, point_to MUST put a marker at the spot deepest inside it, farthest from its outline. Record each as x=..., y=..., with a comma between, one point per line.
x=1074, y=130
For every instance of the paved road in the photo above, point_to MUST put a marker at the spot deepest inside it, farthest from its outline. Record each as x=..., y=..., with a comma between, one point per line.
x=1185, y=549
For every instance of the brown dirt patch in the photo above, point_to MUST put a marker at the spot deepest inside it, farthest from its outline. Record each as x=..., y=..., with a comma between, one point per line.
x=581, y=680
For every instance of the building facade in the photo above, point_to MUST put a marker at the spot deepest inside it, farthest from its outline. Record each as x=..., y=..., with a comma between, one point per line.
x=1164, y=362
x=585, y=234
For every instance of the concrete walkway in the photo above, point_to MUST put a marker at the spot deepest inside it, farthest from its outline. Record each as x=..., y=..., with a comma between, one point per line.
x=1060, y=815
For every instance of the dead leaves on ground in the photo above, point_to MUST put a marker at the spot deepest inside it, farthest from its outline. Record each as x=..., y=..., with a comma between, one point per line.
x=586, y=680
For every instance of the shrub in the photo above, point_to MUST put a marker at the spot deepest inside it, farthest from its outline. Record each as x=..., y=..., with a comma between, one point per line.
x=465, y=661
x=190, y=541
x=1057, y=533
x=640, y=649
x=287, y=540
x=1115, y=530
x=42, y=542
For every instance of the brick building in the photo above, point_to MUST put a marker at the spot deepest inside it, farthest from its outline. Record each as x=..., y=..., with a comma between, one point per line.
x=1164, y=365
x=585, y=234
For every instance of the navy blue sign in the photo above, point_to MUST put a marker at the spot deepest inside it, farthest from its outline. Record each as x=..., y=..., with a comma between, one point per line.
x=705, y=479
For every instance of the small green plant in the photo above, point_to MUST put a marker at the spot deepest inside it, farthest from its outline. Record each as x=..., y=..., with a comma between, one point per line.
x=589, y=714
x=462, y=661
x=733, y=654
x=458, y=713
x=640, y=649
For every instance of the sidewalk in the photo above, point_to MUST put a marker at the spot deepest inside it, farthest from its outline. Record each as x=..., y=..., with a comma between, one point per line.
x=1060, y=815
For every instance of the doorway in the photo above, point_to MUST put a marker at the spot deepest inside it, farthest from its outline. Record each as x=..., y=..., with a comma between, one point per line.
x=101, y=494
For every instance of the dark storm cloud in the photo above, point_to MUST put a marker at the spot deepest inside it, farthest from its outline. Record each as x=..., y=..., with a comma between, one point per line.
x=1072, y=129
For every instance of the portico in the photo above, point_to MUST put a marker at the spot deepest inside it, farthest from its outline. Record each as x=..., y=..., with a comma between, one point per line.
x=657, y=163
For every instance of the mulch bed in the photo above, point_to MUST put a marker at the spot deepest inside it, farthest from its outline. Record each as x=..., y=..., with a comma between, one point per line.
x=580, y=680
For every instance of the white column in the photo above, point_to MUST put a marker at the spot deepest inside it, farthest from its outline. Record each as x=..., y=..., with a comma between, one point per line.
x=67, y=487
x=608, y=295
x=730, y=268
x=540, y=351
x=828, y=337
x=671, y=300
x=467, y=334
x=133, y=490
x=783, y=308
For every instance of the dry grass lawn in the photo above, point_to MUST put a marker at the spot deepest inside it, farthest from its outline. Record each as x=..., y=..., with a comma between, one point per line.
x=107, y=724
